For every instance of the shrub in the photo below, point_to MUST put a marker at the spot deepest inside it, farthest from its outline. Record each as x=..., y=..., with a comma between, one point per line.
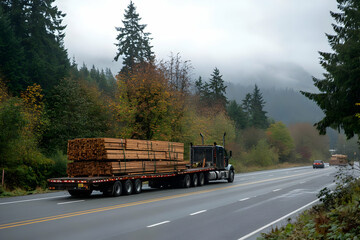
x=262, y=155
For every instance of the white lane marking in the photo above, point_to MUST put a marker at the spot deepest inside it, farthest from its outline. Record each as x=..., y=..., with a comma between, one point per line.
x=195, y=213
x=302, y=182
x=71, y=202
x=244, y=199
x=157, y=224
x=275, y=190
x=277, y=220
x=271, y=175
x=29, y=200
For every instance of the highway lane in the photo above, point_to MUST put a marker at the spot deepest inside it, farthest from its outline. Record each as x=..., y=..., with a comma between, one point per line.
x=216, y=211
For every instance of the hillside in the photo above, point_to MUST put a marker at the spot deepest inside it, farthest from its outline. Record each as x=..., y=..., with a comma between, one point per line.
x=286, y=105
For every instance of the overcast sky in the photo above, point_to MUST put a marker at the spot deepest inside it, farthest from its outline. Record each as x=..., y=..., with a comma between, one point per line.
x=268, y=42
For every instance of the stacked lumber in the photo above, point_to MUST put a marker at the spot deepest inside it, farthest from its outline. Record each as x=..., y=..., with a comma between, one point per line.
x=112, y=156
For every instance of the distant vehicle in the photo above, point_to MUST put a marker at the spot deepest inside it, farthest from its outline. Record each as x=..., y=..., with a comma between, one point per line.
x=318, y=164
x=339, y=160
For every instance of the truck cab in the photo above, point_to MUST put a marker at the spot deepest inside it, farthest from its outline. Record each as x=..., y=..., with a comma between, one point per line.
x=209, y=156
x=212, y=156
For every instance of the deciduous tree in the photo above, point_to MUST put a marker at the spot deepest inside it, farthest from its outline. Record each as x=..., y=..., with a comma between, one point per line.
x=279, y=137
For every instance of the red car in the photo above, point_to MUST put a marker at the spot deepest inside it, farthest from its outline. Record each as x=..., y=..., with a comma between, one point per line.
x=318, y=164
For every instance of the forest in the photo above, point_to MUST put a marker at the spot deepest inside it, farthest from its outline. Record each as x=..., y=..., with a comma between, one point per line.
x=47, y=99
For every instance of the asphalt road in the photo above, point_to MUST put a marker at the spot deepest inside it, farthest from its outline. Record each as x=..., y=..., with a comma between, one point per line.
x=240, y=210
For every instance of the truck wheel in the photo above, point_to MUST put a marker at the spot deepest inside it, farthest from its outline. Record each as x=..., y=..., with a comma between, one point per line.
x=137, y=186
x=195, y=180
x=201, y=179
x=231, y=176
x=128, y=187
x=206, y=178
x=116, y=189
x=80, y=193
x=186, y=181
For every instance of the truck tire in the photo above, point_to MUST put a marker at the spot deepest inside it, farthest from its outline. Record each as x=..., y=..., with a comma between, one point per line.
x=128, y=187
x=206, y=178
x=231, y=176
x=194, y=180
x=80, y=193
x=137, y=186
x=186, y=181
x=116, y=189
x=201, y=179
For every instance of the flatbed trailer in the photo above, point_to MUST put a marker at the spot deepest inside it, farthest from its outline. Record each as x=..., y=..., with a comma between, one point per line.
x=207, y=163
x=132, y=184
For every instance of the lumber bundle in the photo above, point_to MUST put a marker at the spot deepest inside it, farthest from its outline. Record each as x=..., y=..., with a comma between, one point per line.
x=102, y=168
x=112, y=156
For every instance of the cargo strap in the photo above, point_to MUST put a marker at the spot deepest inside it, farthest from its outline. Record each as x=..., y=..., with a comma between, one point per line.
x=124, y=156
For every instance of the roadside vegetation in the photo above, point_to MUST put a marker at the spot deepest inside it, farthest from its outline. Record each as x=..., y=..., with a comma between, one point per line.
x=47, y=99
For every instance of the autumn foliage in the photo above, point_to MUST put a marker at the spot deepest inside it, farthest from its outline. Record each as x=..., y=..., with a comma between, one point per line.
x=144, y=104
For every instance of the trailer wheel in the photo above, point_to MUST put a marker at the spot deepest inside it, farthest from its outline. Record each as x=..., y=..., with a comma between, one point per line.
x=195, y=180
x=80, y=193
x=186, y=182
x=231, y=176
x=116, y=189
x=128, y=187
x=137, y=186
x=201, y=179
x=206, y=178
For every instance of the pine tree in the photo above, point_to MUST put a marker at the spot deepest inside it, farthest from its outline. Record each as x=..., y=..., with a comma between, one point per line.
x=37, y=27
x=253, y=105
x=258, y=115
x=340, y=88
x=237, y=114
x=11, y=55
x=246, y=103
x=199, y=86
x=217, y=89
x=133, y=43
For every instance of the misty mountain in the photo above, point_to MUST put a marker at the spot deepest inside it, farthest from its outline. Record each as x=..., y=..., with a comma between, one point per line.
x=286, y=105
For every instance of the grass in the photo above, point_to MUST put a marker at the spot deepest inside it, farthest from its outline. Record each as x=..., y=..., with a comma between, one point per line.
x=21, y=192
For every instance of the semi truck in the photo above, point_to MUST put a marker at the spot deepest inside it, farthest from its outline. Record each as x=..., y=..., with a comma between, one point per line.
x=207, y=163
x=338, y=160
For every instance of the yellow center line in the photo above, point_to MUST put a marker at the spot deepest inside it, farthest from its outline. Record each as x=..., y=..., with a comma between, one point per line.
x=96, y=210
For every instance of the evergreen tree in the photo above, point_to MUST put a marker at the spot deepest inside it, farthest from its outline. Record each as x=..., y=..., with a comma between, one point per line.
x=37, y=27
x=246, y=103
x=11, y=55
x=237, y=114
x=258, y=115
x=75, y=111
x=340, y=88
x=133, y=43
x=199, y=85
x=217, y=89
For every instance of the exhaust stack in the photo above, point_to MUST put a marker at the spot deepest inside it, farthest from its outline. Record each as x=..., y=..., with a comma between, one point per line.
x=224, y=139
